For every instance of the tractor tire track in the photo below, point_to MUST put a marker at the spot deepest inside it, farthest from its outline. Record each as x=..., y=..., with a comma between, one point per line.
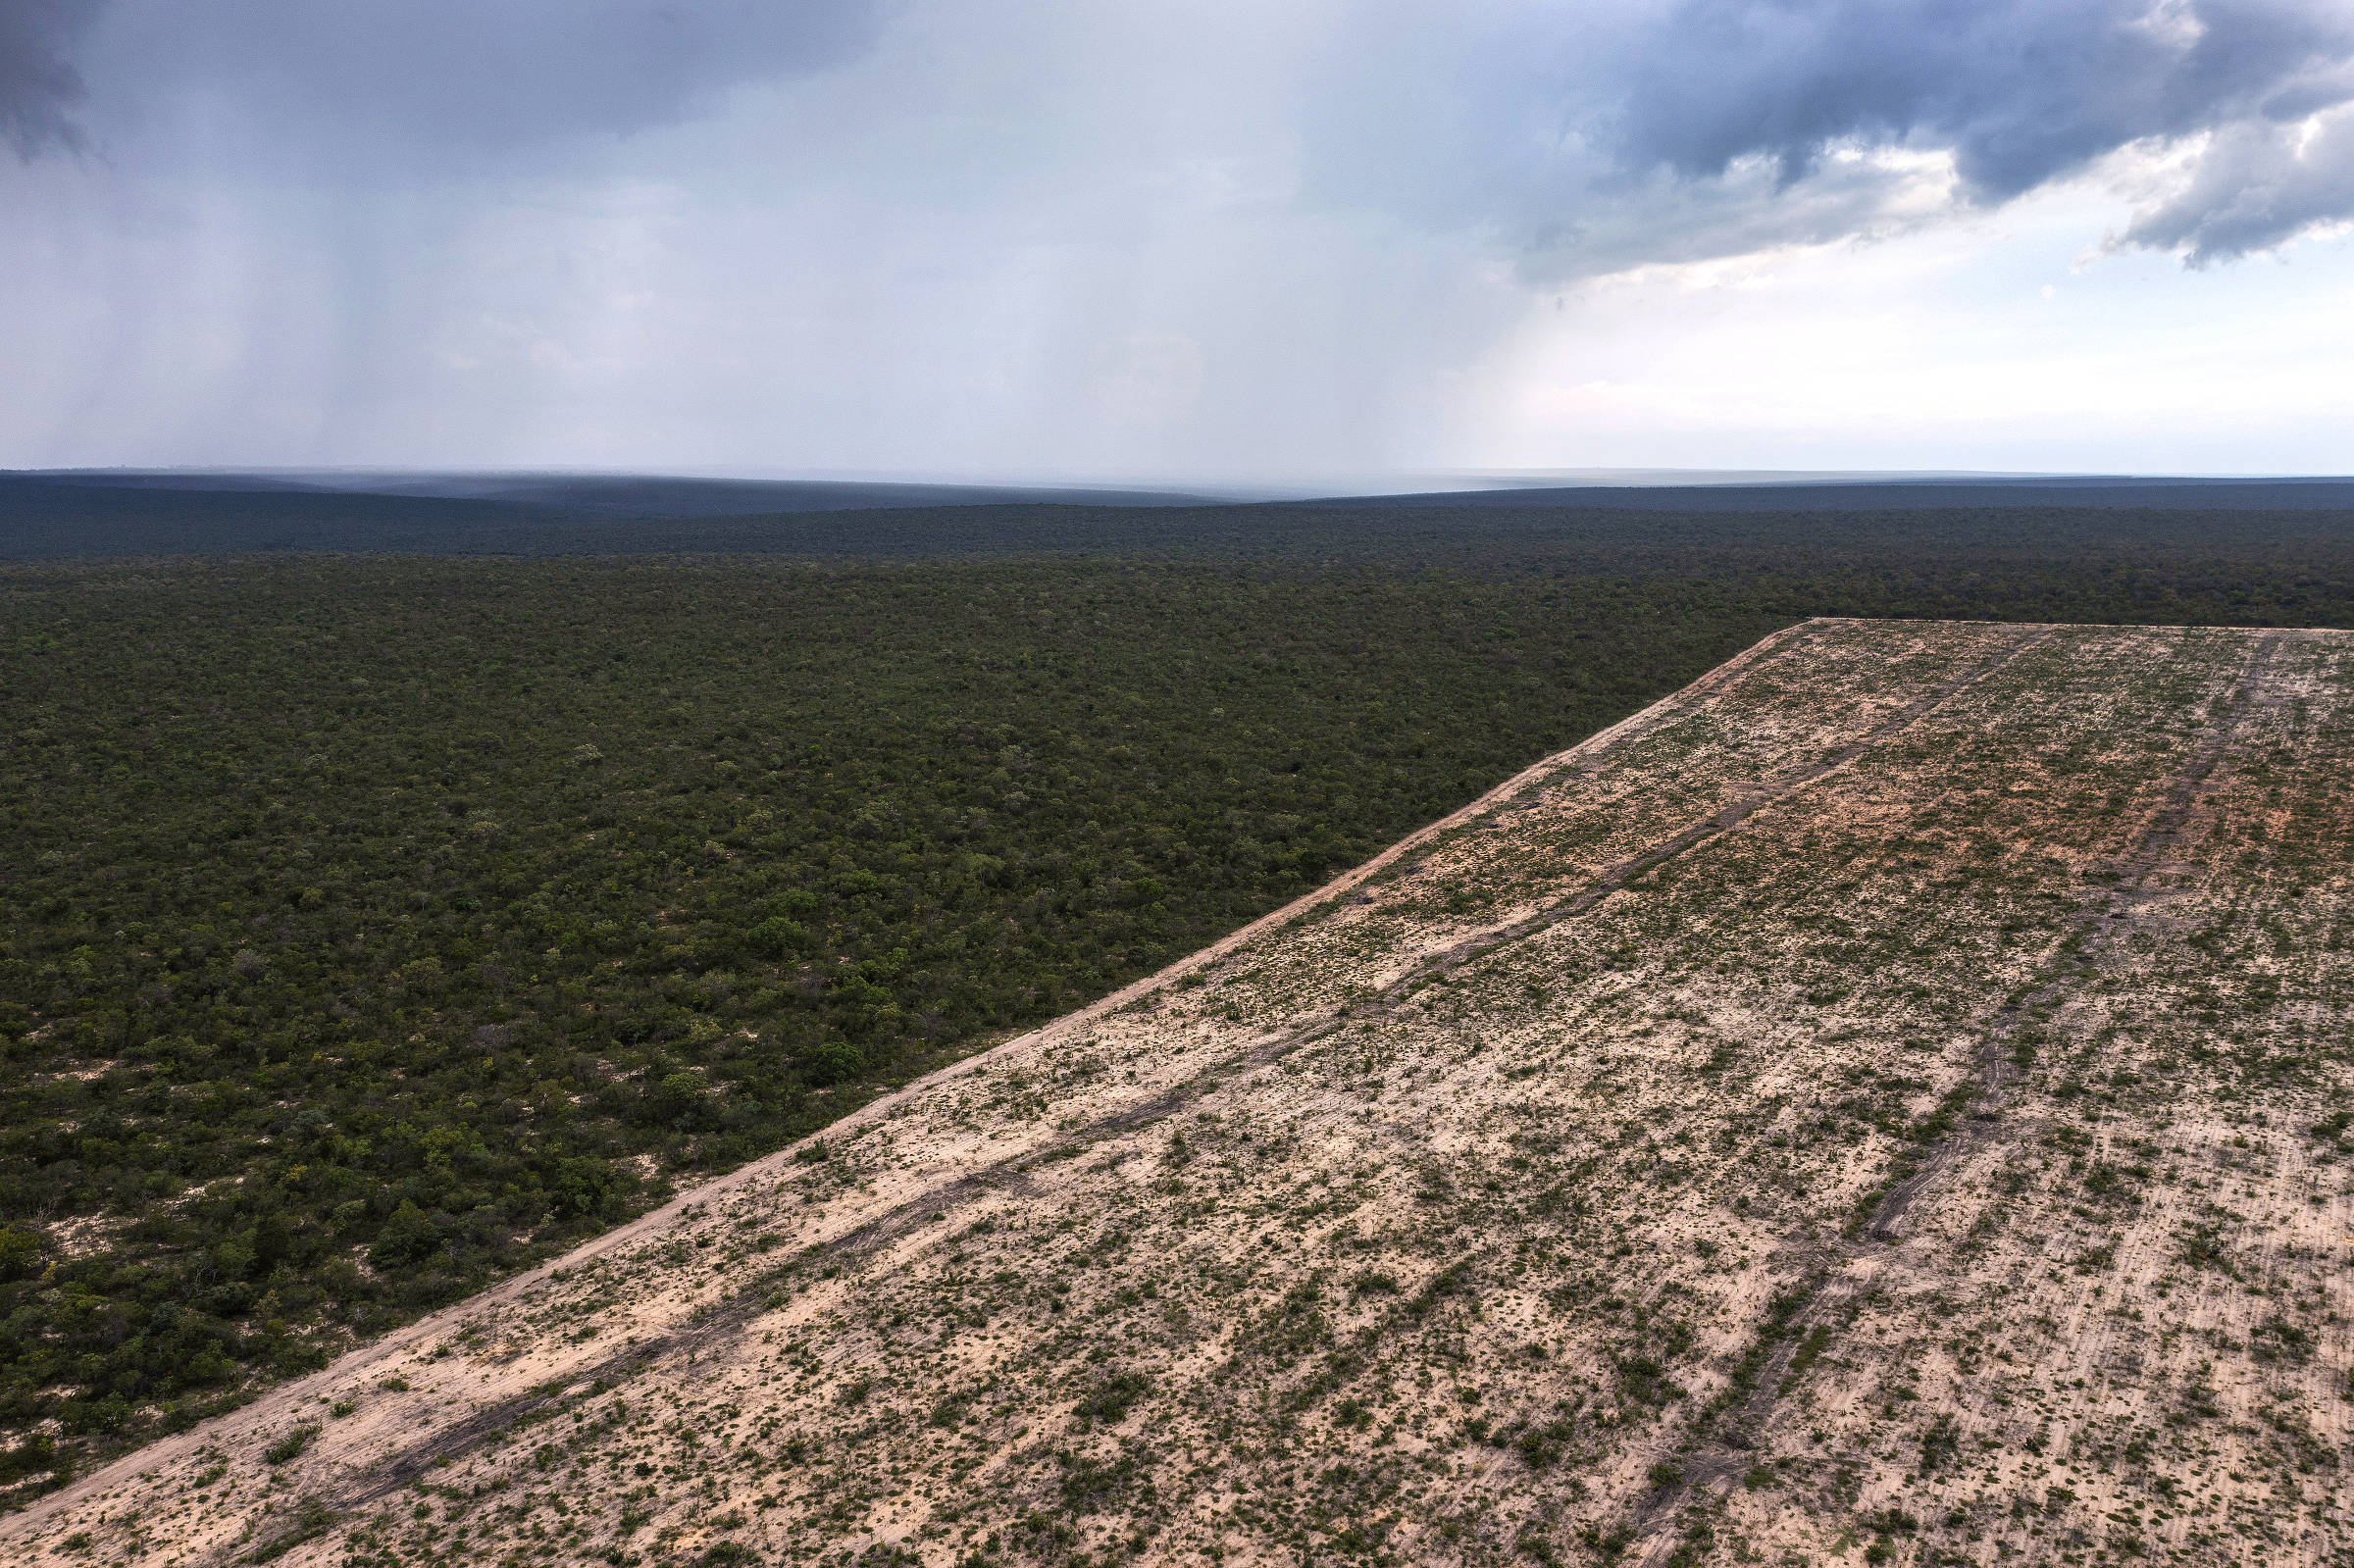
x=1737, y=1436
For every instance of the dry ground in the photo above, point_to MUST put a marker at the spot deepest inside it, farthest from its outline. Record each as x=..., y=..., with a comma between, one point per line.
x=1878, y=1105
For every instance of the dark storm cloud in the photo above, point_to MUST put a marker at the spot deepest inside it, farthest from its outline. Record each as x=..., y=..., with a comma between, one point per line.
x=2019, y=92
x=39, y=88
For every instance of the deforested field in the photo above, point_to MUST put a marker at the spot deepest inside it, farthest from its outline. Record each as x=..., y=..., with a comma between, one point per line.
x=1884, y=1103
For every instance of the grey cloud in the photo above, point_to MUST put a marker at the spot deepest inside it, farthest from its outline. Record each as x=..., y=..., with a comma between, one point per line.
x=425, y=78
x=39, y=88
x=1591, y=140
x=2252, y=189
x=1663, y=220
x=2019, y=91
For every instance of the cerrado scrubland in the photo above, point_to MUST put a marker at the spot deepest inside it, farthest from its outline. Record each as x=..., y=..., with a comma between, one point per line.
x=1885, y=1103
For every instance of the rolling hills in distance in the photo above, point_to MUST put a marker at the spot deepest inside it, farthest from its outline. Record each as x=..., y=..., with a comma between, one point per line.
x=1886, y=1097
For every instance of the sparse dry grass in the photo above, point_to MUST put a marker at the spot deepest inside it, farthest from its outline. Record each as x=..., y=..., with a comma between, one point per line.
x=1879, y=1105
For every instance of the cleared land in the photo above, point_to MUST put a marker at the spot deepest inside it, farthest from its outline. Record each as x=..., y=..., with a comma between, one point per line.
x=1885, y=1098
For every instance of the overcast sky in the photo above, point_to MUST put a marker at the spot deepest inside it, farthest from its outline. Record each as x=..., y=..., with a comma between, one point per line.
x=1190, y=239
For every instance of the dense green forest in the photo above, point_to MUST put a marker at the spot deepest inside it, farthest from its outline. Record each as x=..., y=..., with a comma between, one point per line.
x=371, y=928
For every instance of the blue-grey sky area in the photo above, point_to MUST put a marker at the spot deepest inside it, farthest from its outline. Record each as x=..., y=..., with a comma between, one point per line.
x=1206, y=239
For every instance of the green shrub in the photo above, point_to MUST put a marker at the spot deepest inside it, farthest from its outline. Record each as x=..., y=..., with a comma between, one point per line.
x=407, y=1239
x=830, y=1062
x=778, y=938
x=19, y=1254
x=1111, y=1399
x=292, y=1443
x=727, y=1555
